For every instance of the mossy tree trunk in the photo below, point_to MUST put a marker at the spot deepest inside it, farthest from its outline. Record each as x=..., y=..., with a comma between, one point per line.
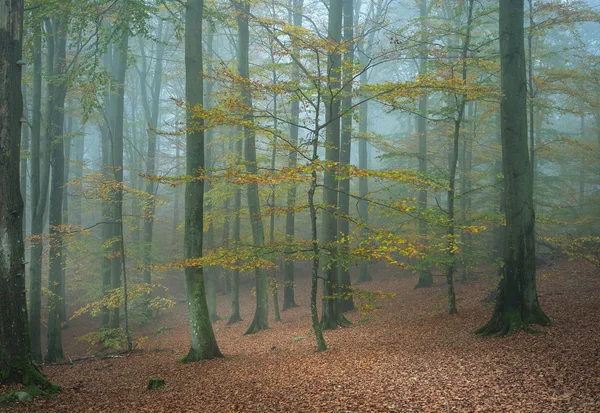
x=204, y=344
x=517, y=303
x=16, y=365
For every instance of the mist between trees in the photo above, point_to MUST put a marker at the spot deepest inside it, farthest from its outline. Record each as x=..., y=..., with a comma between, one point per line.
x=169, y=150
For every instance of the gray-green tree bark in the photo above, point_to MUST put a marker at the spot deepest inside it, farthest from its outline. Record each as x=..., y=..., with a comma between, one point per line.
x=151, y=111
x=346, y=301
x=55, y=129
x=40, y=175
x=261, y=314
x=290, y=217
x=517, y=303
x=204, y=345
x=332, y=316
x=425, y=276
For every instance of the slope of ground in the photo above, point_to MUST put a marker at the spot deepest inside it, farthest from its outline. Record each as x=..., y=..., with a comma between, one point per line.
x=410, y=356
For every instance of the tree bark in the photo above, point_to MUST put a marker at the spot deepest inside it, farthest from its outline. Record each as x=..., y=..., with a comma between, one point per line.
x=346, y=301
x=55, y=215
x=425, y=276
x=290, y=218
x=261, y=314
x=40, y=174
x=332, y=316
x=517, y=304
x=16, y=365
x=204, y=344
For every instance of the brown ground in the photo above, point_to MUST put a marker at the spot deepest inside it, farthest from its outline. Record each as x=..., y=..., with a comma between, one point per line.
x=410, y=357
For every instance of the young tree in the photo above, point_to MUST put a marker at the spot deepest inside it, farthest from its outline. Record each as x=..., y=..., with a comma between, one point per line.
x=16, y=364
x=204, y=344
x=517, y=303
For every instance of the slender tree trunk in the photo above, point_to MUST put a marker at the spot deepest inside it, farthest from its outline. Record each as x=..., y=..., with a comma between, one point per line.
x=346, y=302
x=151, y=110
x=204, y=344
x=314, y=279
x=24, y=169
x=288, y=278
x=261, y=315
x=235, y=274
x=517, y=303
x=425, y=276
x=211, y=274
x=55, y=217
x=40, y=174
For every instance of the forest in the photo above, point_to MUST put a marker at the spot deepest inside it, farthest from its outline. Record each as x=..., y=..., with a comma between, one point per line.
x=300, y=205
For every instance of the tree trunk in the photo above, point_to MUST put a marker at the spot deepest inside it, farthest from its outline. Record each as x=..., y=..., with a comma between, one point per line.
x=55, y=216
x=332, y=316
x=151, y=114
x=16, y=364
x=261, y=315
x=211, y=272
x=288, y=277
x=204, y=344
x=346, y=301
x=517, y=304
x=40, y=175
x=425, y=276
x=235, y=274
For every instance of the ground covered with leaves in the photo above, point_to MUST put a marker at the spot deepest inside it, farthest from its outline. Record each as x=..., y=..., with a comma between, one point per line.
x=408, y=356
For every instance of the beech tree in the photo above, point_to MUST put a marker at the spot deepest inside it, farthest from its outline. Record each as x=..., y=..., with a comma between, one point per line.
x=517, y=303
x=204, y=344
x=16, y=364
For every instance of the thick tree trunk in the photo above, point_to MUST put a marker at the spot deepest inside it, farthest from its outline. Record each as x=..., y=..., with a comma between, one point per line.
x=332, y=316
x=517, y=304
x=16, y=364
x=204, y=344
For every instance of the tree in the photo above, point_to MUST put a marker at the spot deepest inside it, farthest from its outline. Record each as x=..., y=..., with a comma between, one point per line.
x=57, y=28
x=425, y=276
x=261, y=315
x=517, y=303
x=16, y=364
x=204, y=345
x=346, y=302
x=332, y=316
x=290, y=218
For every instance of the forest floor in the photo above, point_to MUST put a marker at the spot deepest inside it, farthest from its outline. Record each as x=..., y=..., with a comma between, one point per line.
x=410, y=356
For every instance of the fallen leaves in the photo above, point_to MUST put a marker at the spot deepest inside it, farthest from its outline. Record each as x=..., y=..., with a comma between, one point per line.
x=410, y=357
